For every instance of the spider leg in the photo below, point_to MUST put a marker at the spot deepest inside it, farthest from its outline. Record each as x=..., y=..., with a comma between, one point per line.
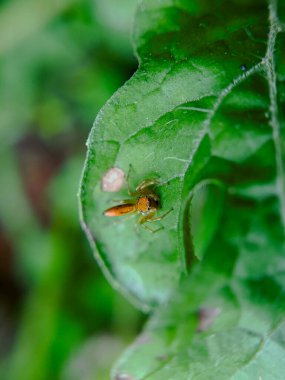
x=145, y=226
x=147, y=218
x=131, y=193
x=140, y=189
x=151, y=219
x=147, y=183
x=141, y=220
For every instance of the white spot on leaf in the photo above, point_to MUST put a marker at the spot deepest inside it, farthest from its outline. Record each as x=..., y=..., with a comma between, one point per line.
x=124, y=376
x=112, y=180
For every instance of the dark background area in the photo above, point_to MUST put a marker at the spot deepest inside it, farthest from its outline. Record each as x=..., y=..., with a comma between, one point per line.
x=60, y=61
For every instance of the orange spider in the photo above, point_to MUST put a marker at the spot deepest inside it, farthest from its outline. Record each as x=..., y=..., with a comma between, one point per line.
x=145, y=203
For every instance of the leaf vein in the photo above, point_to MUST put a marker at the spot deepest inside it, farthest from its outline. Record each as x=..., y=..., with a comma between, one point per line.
x=276, y=133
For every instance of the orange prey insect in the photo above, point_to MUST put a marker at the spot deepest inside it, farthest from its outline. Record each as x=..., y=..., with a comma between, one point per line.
x=145, y=203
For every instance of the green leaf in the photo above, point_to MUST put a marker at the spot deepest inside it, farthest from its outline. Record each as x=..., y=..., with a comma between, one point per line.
x=202, y=105
x=205, y=114
x=227, y=321
x=244, y=338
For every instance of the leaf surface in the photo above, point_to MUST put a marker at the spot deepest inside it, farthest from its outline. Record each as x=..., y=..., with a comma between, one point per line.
x=205, y=114
x=205, y=107
x=227, y=319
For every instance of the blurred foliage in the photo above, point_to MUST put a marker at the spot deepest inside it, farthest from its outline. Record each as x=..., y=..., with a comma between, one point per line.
x=59, y=63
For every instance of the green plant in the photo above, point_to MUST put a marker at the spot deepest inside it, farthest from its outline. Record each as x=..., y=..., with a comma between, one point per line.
x=205, y=113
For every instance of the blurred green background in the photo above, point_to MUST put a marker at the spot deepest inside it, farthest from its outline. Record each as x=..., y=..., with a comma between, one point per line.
x=59, y=63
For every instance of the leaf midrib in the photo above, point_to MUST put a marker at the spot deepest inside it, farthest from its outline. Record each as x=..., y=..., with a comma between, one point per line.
x=275, y=28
